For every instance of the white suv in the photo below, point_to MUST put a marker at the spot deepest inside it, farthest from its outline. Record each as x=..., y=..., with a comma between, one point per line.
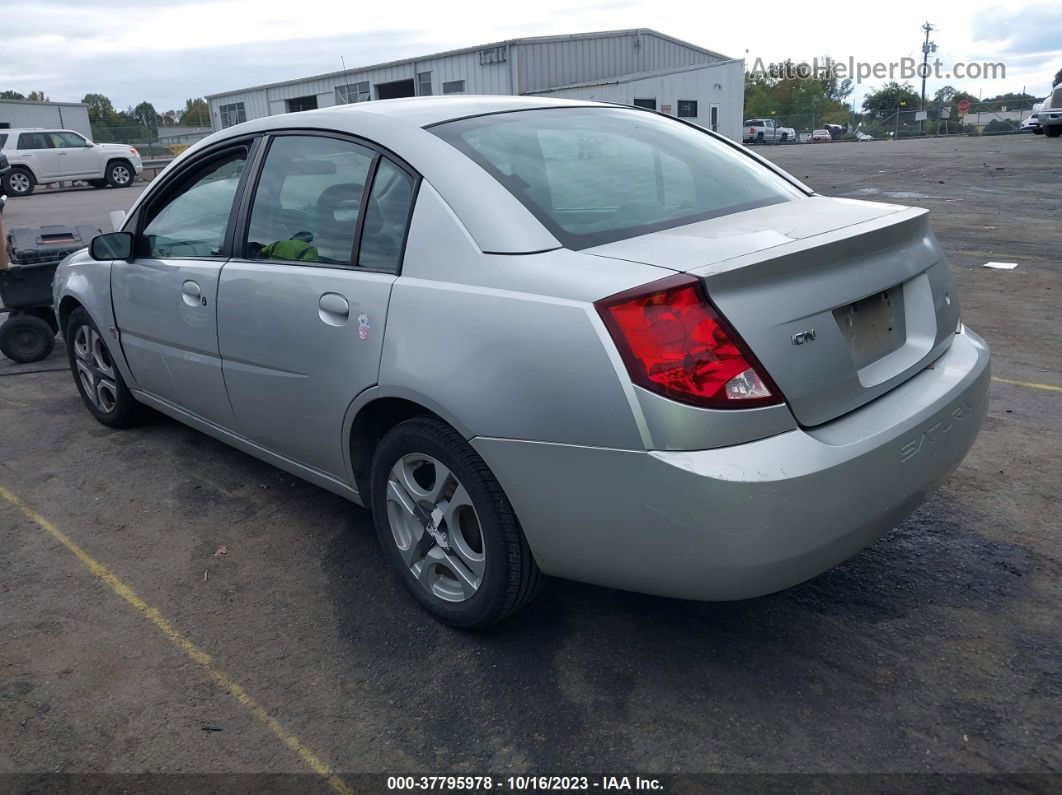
x=40, y=156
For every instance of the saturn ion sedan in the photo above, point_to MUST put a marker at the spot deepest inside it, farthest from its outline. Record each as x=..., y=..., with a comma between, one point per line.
x=539, y=337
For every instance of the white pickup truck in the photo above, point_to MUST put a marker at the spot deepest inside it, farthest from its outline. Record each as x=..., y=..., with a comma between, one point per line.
x=766, y=131
x=39, y=156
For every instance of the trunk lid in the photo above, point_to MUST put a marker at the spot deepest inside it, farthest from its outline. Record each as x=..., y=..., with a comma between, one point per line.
x=840, y=300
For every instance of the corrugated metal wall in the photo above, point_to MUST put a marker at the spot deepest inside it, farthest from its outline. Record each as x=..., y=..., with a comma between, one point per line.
x=494, y=78
x=538, y=65
x=548, y=64
x=46, y=114
x=667, y=90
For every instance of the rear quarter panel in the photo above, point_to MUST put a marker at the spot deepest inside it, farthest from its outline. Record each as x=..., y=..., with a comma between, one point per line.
x=508, y=345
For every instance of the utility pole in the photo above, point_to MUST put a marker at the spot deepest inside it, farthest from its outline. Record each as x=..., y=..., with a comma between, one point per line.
x=927, y=48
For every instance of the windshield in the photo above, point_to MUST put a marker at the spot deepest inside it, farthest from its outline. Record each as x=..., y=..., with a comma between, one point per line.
x=595, y=175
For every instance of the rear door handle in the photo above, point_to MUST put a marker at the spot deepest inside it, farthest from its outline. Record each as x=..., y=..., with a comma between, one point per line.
x=333, y=309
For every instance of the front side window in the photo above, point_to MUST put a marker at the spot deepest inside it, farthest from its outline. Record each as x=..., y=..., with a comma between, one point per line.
x=191, y=221
x=67, y=140
x=308, y=199
x=34, y=140
x=594, y=175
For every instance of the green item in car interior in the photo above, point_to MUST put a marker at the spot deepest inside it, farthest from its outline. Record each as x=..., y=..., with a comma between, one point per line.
x=293, y=249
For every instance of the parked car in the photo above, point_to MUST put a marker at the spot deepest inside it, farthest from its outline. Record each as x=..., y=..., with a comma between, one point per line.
x=821, y=136
x=787, y=135
x=763, y=131
x=40, y=156
x=703, y=382
x=1050, y=115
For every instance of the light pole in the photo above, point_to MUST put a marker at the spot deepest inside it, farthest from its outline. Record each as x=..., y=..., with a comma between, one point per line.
x=927, y=48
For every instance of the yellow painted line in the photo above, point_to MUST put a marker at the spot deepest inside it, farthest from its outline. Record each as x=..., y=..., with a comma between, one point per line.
x=172, y=634
x=1030, y=384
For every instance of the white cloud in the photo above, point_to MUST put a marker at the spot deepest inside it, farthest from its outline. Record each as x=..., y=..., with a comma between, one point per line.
x=131, y=50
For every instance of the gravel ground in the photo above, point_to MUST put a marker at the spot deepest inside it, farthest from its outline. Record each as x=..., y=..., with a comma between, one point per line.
x=938, y=649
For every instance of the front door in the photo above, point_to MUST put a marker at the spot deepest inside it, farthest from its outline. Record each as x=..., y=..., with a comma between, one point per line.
x=76, y=156
x=165, y=300
x=302, y=311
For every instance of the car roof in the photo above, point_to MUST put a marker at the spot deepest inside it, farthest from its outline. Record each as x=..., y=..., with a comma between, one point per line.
x=420, y=111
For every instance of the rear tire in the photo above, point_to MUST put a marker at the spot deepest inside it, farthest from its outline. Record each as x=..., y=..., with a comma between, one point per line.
x=26, y=338
x=19, y=182
x=120, y=174
x=98, y=379
x=447, y=527
x=1053, y=131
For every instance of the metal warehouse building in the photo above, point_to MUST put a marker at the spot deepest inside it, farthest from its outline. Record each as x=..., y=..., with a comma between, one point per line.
x=634, y=67
x=63, y=115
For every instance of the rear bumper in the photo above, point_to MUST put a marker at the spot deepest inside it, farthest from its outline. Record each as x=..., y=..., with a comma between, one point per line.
x=743, y=521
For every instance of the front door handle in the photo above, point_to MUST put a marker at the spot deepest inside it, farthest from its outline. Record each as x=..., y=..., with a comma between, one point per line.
x=333, y=309
x=191, y=294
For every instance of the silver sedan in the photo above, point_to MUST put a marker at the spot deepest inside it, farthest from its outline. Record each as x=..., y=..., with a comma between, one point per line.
x=539, y=337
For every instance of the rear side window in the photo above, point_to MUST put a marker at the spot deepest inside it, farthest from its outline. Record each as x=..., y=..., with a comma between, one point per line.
x=386, y=218
x=3, y=140
x=595, y=175
x=191, y=220
x=34, y=140
x=308, y=200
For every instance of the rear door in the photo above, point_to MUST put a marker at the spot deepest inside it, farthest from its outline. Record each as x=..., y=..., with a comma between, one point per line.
x=35, y=150
x=303, y=304
x=165, y=300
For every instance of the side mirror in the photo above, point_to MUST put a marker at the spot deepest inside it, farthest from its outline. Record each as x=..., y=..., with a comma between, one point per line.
x=113, y=245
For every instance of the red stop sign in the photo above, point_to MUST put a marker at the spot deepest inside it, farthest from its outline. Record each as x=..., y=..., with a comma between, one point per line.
x=964, y=106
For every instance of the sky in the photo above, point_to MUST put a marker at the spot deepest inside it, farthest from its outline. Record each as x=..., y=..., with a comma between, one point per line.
x=136, y=50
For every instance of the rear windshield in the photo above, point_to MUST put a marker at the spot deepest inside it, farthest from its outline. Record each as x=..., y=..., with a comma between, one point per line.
x=595, y=175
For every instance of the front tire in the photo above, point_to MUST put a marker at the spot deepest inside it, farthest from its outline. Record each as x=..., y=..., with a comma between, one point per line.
x=19, y=182
x=97, y=183
x=26, y=338
x=120, y=174
x=1053, y=131
x=98, y=379
x=447, y=527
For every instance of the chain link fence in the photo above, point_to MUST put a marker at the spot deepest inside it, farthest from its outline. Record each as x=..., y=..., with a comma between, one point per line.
x=980, y=118
x=153, y=144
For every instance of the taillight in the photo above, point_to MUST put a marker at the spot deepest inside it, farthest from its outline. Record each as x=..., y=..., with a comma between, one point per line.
x=675, y=343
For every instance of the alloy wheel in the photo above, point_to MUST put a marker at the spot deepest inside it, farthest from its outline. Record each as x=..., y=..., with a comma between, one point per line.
x=95, y=369
x=435, y=527
x=19, y=182
x=120, y=175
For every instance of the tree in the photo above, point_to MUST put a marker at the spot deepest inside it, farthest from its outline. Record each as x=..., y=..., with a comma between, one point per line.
x=37, y=96
x=799, y=95
x=100, y=109
x=196, y=113
x=893, y=95
x=9, y=94
x=146, y=116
